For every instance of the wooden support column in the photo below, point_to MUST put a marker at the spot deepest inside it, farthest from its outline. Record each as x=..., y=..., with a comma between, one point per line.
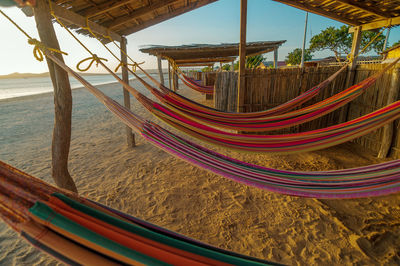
x=62, y=100
x=233, y=66
x=242, y=56
x=130, y=137
x=387, y=134
x=160, y=69
x=169, y=75
x=351, y=71
x=176, y=82
x=276, y=57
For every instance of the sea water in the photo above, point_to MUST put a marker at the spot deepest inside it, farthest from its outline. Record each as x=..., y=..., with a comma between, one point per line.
x=18, y=87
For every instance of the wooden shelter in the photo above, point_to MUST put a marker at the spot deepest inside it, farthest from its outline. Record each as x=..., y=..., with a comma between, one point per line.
x=208, y=54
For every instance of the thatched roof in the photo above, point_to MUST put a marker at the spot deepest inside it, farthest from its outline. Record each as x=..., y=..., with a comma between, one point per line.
x=353, y=12
x=199, y=51
x=124, y=17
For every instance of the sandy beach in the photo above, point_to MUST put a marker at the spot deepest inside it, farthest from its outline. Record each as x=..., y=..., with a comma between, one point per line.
x=152, y=185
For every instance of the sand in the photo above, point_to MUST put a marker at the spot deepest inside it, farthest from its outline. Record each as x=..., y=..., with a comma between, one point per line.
x=153, y=185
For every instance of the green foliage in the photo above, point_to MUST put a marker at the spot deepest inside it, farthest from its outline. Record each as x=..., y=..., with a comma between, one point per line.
x=339, y=41
x=396, y=43
x=254, y=61
x=226, y=67
x=206, y=69
x=294, y=57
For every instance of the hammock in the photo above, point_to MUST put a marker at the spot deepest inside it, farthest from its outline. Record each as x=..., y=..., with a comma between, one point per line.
x=78, y=231
x=208, y=114
x=374, y=180
x=271, y=122
x=285, y=143
x=191, y=83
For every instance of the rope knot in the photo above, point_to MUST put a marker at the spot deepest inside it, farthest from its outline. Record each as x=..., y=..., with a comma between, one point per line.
x=93, y=58
x=40, y=48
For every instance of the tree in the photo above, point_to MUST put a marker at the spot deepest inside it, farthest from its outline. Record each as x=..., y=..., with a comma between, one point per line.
x=206, y=69
x=254, y=61
x=396, y=43
x=339, y=41
x=294, y=57
x=226, y=67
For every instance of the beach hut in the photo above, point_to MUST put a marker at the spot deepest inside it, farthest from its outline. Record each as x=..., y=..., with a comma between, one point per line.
x=187, y=55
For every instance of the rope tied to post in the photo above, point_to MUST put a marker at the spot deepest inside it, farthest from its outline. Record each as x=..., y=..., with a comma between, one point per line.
x=93, y=58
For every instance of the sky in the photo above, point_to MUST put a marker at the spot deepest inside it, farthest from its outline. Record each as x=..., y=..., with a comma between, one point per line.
x=212, y=24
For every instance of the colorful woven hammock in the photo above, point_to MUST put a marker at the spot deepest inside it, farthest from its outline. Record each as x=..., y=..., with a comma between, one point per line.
x=283, y=144
x=209, y=115
x=77, y=231
x=191, y=83
x=374, y=180
x=271, y=122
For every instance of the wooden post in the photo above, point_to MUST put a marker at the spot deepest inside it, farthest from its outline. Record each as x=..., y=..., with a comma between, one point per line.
x=351, y=69
x=387, y=134
x=130, y=137
x=304, y=42
x=160, y=69
x=276, y=57
x=169, y=74
x=176, y=82
x=233, y=66
x=62, y=100
x=242, y=56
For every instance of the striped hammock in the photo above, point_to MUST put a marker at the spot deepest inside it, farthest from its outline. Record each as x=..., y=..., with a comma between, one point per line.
x=283, y=144
x=77, y=231
x=193, y=84
x=208, y=114
x=374, y=180
x=266, y=123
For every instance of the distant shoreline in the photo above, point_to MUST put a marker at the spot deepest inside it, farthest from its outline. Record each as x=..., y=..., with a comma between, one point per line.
x=18, y=75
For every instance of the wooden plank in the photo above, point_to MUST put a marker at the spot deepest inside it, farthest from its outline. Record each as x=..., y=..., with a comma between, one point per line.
x=130, y=137
x=160, y=72
x=62, y=100
x=137, y=13
x=387, y=134
x=364, y=8
x=242, y=56
x=164, y=17
x=319, y=11
x=74, y=18
x=378, y=24
x=104, y=7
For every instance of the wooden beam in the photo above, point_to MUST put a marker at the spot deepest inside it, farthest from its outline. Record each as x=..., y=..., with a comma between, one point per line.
x=206, y=60
x=378, y=24
x=130, y=137
x=164, y=17
x=62, y=100
x=242, y=56
x=160, y=72
x=364, y=8
x=388, y=130
x=104, y=7
x=169, y=74
x=137, y=13
x=318, y=11
x=74, y=18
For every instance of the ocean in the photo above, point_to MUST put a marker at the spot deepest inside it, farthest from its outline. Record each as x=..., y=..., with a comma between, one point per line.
x=18, y=87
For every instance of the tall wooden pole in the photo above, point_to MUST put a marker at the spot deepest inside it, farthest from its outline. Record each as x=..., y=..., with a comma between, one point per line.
x=130, y=137
x=169, y=74
x=304, y=41
x=242, y=56
x=276, y=57
x=62, y=100
x=160, y=69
